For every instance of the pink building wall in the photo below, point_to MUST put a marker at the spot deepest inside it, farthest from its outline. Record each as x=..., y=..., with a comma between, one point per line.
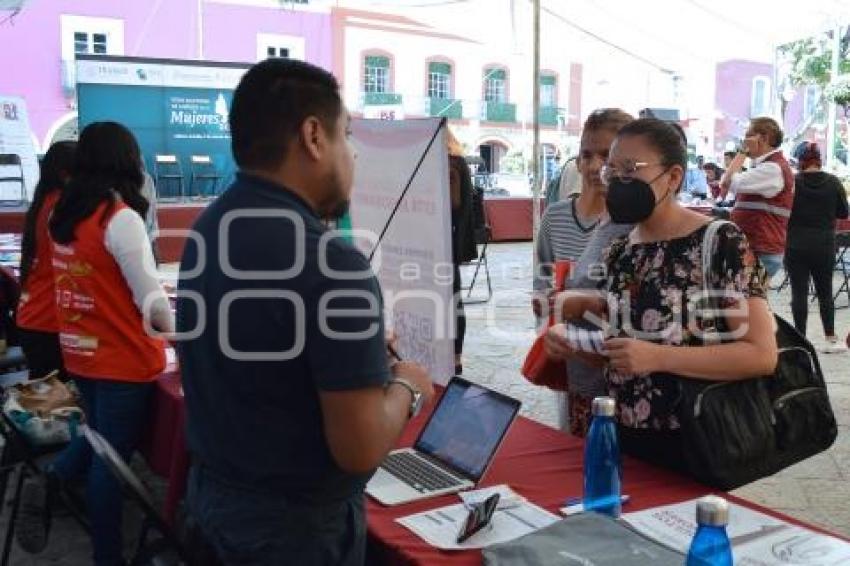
x=30, y=43
x=734, y=88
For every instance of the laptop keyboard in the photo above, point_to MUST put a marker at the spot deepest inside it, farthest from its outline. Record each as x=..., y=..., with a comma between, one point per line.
x=418, y=473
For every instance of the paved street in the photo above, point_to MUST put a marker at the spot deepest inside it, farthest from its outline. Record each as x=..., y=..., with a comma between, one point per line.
x=498, y=336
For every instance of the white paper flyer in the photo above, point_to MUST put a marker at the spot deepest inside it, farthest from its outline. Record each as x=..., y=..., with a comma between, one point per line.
x=440, y=527
x=757, y=539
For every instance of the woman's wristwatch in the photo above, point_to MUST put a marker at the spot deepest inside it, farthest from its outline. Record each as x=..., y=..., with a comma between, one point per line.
x=416, y=395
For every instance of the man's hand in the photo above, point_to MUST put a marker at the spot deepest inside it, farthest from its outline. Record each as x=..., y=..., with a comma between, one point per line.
x=391, y=340
x=630, y=356
x=417, y=376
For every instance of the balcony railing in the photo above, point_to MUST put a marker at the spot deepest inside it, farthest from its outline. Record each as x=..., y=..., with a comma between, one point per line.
x=498, y=112
x=451, y=109
x=381, y=98
x=548, y=115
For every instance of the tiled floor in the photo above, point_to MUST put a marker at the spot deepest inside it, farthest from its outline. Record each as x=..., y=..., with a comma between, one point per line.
x=498, y=336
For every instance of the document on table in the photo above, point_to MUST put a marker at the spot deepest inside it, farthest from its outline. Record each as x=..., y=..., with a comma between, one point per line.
x=757, y=539
x=440, y=527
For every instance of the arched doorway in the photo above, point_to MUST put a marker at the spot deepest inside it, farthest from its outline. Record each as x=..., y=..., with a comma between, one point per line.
x=492, y=152
x=65, y=128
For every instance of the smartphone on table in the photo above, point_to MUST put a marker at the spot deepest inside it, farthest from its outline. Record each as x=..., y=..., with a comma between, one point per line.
x=480, y=515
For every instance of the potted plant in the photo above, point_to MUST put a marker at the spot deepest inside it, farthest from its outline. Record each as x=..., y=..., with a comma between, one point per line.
x=839, y=92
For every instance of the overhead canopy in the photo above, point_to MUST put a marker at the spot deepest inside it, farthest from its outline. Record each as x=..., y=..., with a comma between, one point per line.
x=671, y=35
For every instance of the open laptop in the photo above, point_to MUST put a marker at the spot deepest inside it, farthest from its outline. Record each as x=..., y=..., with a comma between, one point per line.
x=453, y=451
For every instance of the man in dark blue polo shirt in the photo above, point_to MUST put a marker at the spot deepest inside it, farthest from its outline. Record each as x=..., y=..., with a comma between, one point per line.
x=291, y=402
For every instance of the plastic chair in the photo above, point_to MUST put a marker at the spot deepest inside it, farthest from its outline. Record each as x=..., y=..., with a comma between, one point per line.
x=168, y=171
x=483, y=235
x=13, y=160
x=156, y=551
x=203, y=170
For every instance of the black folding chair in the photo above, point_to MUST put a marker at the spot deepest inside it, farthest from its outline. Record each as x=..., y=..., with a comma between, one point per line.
x=842, y=265
x=483, y=235
x=168, y=173
x=21, y=458
x=12, y=160
x=169, y=548
x=203, y=173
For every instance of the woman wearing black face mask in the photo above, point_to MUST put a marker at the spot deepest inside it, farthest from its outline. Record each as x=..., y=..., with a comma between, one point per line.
x=652, y=274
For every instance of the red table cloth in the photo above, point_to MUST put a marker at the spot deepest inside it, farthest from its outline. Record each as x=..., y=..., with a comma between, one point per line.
x=540, y=463
x=164, y=445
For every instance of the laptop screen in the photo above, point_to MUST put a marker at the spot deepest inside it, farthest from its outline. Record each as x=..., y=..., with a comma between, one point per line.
x=467, y=427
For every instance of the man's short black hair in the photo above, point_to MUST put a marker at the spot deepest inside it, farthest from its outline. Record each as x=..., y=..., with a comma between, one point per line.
x=271, y=103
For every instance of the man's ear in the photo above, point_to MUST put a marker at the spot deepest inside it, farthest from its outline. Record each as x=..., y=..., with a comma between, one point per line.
x=313, y=137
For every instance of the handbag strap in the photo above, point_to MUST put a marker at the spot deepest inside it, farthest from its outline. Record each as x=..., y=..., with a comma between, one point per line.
x=709, y=241
x=48, y=377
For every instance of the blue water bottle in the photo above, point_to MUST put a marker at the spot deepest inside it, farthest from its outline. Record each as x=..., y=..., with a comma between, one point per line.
x=602, y=461
x=710, y=546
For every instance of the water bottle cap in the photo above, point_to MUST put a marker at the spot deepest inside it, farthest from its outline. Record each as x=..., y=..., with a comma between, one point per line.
x=713, y=511
x=603, y=407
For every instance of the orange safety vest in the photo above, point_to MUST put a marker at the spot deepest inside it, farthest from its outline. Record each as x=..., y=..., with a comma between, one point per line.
x=37, y=305
x=101, y=330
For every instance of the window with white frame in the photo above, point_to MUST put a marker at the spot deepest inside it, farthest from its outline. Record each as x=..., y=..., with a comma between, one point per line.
x=548, y=91
x=377, y=74
x=277, y=52
x=811, y=108
x=277, y=46
x=760, y=101
x=83, y=35
x=439, y=80
x=90, y=43
x=495, y=85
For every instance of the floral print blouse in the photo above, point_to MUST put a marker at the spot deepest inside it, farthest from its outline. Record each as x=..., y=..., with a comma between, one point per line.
x=653, y=283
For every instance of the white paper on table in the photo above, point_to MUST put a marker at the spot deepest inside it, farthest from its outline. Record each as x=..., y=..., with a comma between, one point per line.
x=508, y=498
x=170, y=356
x=757, y=539
x=440, y=527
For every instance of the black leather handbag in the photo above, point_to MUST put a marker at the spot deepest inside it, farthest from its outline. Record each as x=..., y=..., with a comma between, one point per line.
x=736, y=432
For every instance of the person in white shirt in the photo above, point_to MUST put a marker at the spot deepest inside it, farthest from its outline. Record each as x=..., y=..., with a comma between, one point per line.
x=151, y=222
x=764, y=192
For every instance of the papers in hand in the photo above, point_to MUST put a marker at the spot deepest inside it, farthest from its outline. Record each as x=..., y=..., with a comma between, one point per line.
x=513, y=518
x=757, y=539
x=584, y=340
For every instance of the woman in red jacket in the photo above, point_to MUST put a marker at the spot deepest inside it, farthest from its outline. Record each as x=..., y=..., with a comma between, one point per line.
x=38, y=326
x=109, y=302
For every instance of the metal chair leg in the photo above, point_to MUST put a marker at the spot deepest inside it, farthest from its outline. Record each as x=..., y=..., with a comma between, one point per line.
x=487, y=275
x=4, y=483
x=10, y=527
x=475, y=275
x=482, y=259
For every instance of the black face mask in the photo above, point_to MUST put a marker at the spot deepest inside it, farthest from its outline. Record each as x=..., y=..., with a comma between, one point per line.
x=632, y=202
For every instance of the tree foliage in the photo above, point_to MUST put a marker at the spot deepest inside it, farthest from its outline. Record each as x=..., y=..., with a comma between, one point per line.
x=809, y=61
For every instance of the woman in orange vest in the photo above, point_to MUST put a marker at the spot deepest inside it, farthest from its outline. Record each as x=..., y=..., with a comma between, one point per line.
x=38, y=327
x=109, y=304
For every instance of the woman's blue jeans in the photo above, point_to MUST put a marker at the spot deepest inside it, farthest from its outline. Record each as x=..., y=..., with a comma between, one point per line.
x=118, y=411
